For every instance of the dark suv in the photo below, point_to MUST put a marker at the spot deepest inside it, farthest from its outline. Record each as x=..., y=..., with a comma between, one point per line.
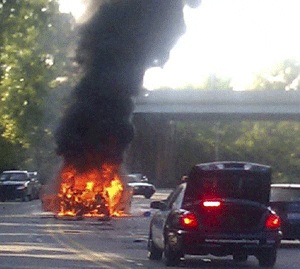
x=19, y=185
x=285, y=200
x=221, y=209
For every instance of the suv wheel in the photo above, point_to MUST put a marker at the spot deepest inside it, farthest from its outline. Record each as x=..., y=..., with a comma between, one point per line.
x=267, y=257
x=148, y=195
x=172, y=256
x=240, y=257
x=26, y=198
x=2, y=198
x=154, y=252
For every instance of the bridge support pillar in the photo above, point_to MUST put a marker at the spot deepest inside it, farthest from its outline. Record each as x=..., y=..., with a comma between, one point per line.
x=153, y=150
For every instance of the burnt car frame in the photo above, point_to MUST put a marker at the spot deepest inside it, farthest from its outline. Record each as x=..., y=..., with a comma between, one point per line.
x=285, y=200
x=221, y=210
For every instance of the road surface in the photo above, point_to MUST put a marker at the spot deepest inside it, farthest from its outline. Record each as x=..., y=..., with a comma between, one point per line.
x=30, y=238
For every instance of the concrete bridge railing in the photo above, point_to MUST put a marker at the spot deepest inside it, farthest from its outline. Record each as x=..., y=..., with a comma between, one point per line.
x=216, y=104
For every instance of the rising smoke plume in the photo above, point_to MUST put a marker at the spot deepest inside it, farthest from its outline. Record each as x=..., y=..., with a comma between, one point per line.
x=117, y=44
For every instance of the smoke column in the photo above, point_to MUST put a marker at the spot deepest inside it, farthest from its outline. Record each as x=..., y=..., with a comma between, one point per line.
x=117, y=44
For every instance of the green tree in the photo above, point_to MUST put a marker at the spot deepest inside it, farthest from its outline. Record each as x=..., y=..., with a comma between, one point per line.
x=166, y=150
x=217, y=83
x=273, y=143
x=281, y=76
x=34, y=43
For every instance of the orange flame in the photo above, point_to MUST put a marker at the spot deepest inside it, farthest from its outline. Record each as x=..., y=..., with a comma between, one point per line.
x=98, y=192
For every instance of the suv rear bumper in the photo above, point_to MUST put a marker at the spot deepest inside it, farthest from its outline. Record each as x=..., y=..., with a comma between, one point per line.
x=11, y=193
x=196, y=243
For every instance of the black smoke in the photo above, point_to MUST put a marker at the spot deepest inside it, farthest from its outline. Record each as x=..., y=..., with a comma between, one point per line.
x=121, y=40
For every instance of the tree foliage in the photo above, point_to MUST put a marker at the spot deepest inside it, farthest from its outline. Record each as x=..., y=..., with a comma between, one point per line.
x=166, y=150
x=281, y=76
x=34, y=42
x=272, y=143
x=216, y=83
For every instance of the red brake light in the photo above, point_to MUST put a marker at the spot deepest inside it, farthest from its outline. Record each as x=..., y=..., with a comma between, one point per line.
x=212, y=204
x=273, y=221
x=189, y=220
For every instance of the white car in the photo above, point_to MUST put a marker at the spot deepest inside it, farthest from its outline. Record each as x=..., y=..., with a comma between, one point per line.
x=142, y=188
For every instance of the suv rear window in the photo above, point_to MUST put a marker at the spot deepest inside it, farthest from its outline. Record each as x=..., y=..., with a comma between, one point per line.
x=282, y=194
x=232, y=184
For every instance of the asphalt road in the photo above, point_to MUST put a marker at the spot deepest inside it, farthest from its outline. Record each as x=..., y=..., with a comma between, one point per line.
x=30, y=238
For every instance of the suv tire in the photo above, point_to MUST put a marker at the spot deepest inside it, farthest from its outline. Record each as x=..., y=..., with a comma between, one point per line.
x=148, y=195
x=267, y=257
x=172, y=256
x=26, y=198
x=154, y=252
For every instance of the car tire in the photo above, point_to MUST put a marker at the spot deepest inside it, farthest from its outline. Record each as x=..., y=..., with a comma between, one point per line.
x=267, y=258
x=26, y=198
x=148, y=195
x=240, y=257
x=2, y=197
x=154, y=252
x=172, y=257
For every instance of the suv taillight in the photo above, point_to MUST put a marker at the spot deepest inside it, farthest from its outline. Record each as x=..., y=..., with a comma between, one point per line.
x=211, y=204
x=273, y=222
x=188, y=220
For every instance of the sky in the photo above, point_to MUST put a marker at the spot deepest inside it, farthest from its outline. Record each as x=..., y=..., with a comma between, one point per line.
x=228, y=38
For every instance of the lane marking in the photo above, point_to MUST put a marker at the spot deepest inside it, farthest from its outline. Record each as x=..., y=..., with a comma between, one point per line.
x=85, y=253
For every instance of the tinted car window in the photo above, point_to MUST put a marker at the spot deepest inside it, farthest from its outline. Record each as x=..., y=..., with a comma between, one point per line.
x=173, y=196
x=284, y=194
x=14, y=176
x=178, y=201
x=4, y=177
x=228, y=184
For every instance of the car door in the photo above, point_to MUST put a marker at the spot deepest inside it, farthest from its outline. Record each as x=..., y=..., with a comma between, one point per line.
x=174, y=201
x=30, y=186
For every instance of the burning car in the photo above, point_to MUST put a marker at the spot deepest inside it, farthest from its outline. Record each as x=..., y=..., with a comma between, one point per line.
x=118, y=42
x=222, y=209
x=99, y=192
x=19, y=184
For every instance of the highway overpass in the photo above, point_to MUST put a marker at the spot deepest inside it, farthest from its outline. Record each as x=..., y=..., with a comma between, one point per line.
x=257, y=105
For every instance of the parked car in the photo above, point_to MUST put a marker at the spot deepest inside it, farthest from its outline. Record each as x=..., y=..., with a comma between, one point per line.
x=285, y=200
x=221, y=209
x=143, y=188
x=17, y=184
